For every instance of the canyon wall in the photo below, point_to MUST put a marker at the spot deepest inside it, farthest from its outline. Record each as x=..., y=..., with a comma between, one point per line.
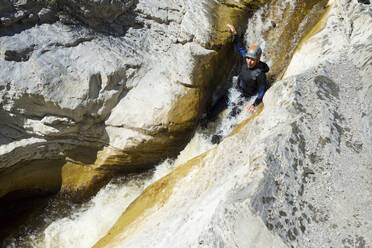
x=89, y=89
x=295, y=174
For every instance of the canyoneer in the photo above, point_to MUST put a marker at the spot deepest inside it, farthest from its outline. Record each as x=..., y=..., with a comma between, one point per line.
x=250, y=82
x=252, y=79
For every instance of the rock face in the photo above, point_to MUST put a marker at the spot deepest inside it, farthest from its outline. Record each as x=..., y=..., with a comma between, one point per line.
x=112, y=85
x=297, y=173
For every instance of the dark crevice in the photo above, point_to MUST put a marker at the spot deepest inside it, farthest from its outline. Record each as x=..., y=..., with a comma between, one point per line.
x=74, y=43
x=364, y=1
x=187, y=85
x=139, y=130
x=19, y=55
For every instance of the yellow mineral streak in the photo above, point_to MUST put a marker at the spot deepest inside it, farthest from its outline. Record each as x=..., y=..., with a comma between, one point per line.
x=186, y=108
x=154, y=197
x=319, y=26
x=81, y=178
x=316, y=29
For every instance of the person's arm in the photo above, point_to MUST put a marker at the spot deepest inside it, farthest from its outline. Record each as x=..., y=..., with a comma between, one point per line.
x=261, y=91
x=236, y=39
x=261, y=88
x=236, y=42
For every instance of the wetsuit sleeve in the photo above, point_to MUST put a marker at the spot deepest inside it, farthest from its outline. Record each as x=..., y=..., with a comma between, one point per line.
x=237, y=43
x=261, y=80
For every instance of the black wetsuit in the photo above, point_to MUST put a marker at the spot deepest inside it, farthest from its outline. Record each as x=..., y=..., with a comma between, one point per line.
x=251, y=81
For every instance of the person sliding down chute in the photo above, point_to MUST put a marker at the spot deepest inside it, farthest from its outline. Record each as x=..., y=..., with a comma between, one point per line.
x=252, y=78
x=251, y=81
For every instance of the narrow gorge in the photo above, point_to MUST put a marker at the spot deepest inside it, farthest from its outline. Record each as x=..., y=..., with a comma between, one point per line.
x=103, y=139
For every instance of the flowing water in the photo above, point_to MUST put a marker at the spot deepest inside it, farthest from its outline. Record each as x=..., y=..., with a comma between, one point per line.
x=64, y=224
x=85, y=227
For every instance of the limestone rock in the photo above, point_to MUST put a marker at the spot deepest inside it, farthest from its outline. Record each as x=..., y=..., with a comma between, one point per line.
x=299, y=169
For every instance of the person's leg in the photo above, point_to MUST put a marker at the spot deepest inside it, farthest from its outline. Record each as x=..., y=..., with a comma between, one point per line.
x=235, y=111
x=218, y=107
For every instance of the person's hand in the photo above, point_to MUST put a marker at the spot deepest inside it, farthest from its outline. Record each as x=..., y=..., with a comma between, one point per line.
x=251, y=108
x=229, y=102
x=231, y=29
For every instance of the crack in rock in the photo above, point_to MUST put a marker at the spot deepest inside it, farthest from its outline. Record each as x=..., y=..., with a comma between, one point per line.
x=74, y=43
x=19, y=55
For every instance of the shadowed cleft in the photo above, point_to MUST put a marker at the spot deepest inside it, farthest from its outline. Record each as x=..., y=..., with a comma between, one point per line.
x=357, y=147
x=300, y=138
x=307, y=171
x=269, y=226
x=290, y=235
x=19, y=55
x=74, y=43
x=268, y=199
x=327, y=87
x=282, y=213
x=95, y=85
